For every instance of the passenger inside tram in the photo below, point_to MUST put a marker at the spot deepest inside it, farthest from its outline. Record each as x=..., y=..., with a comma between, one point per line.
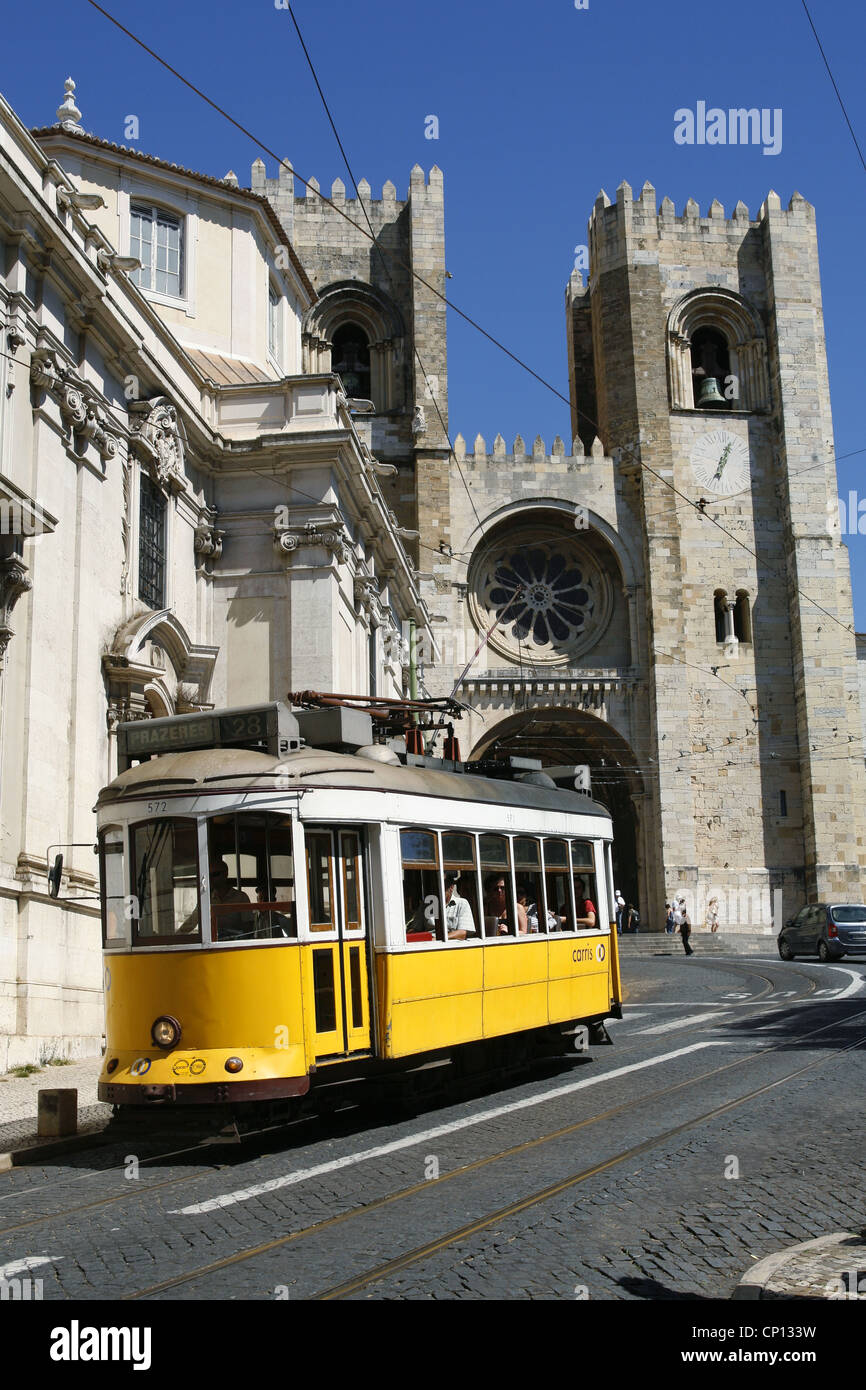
x=587, y=916
x=523, y=923
x=459, y=920
x=232, y=925
x=269, y=922
x=495, y=912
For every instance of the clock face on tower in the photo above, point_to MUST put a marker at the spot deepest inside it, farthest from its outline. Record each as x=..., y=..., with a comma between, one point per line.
x=721, y=463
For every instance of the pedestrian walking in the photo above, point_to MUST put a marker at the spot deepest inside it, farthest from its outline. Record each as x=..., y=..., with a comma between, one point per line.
x=713, y=914
x=633, y=919
x=620, y=909
x=685, y=927
x=669, y=920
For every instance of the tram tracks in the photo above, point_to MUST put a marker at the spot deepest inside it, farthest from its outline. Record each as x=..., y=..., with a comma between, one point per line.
x=627, y=1046
x=544, y=1194
x=383, y=1271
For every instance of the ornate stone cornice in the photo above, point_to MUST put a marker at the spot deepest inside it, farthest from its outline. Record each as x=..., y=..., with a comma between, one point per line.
x=154, y=438
x=14, y=582
x=394, y=648
x=366, y=591
x=208, y=545
x=82, y=411
x=330, y=535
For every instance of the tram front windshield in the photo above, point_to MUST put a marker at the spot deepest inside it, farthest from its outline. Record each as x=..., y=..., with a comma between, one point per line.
x=250, y=870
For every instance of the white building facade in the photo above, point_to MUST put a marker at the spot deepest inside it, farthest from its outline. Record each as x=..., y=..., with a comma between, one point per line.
x=187, y=518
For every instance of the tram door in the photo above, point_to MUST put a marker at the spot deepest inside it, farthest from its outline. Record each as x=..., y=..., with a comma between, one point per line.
x=339, y=982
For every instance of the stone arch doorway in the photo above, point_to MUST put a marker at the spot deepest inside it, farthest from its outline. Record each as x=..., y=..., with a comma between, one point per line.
x=557, y=736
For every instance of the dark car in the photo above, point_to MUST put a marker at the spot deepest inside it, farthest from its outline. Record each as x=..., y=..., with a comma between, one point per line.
x=828, y=930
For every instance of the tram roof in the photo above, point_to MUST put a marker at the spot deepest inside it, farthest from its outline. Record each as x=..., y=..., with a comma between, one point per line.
x=240, y=769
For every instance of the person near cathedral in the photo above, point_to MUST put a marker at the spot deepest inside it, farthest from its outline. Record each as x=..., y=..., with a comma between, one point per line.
x=620, y=911
x=713, y=915
x=669, y=920
x=685, y=927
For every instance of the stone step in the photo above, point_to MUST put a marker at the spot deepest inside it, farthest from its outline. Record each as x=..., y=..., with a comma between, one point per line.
x=707, y=943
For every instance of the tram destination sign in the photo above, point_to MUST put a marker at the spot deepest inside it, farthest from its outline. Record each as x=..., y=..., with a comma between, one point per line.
x=271, y=728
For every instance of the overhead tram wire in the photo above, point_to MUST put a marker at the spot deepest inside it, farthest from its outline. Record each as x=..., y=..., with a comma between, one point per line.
x=456, y=555
x=835, y=86
x=847, y=627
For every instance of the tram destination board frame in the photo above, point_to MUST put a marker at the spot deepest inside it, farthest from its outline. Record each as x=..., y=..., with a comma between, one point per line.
x=269, y=728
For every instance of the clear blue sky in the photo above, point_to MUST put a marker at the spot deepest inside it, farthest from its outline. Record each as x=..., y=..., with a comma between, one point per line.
x=539, y=105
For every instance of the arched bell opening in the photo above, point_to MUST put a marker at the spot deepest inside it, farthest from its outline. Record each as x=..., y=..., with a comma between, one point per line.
x=350, y=357
x=711, y=368
x=564, y=737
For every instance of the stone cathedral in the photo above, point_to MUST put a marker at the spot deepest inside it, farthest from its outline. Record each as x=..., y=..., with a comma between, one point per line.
x=227, y=473
x=669, y=596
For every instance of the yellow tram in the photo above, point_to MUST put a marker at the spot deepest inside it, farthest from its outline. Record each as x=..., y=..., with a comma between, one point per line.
x=283, y=899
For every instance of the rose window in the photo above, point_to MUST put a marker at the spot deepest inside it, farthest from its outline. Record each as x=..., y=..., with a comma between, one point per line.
x=546, y=597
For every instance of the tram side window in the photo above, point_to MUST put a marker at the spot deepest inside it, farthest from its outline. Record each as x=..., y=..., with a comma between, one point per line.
x=560, y=912
x=320, y=880
x=500, y=915
x=350, y=858
x=164, y=881
x=112, y=890
x=461, y=886
x=583, y=871
x=531, y=914
x=251, y=872
x=422, y=905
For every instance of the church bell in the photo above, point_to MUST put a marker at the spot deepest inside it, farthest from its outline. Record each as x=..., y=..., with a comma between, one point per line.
x=710, y=393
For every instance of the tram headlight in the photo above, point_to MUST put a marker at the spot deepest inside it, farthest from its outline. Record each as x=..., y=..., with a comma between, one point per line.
x=165, y=1032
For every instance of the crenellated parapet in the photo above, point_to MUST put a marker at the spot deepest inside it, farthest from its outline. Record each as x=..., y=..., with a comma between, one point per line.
x=628, y=216
x=427, y=190
x=568, y=460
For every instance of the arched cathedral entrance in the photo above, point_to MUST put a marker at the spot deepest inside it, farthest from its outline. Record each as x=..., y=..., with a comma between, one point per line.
x=557, y=736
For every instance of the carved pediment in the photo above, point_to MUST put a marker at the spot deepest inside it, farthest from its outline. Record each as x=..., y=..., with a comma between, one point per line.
x=82, y=411
x=155, y=439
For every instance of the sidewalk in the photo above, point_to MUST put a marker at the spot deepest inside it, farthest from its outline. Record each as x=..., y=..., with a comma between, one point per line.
x=19, y=1101
x=829, y=1267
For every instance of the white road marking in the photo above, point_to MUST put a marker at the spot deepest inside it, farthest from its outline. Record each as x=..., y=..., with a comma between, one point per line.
x=682, y=1022
x=410, y=1141
x=857, y=982
x=629, y=1018
x=14, y=1267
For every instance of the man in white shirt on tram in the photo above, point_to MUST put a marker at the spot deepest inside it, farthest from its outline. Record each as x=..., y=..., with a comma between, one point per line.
x=459, y=922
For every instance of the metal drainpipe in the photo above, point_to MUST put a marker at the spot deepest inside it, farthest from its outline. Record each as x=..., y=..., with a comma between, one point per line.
x=413, y=665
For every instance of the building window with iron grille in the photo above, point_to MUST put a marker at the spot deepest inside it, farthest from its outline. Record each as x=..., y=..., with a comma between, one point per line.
x=156, y=239
x=151, y=544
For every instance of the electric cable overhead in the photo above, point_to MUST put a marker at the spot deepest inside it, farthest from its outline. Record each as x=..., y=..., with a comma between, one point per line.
x=468, y=318
x=835, y=87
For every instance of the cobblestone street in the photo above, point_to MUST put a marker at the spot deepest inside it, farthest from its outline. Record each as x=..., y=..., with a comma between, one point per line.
x=722, y=1126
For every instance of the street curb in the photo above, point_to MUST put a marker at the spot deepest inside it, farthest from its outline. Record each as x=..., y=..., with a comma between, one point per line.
x=755, y=1283
x=32, y=1153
